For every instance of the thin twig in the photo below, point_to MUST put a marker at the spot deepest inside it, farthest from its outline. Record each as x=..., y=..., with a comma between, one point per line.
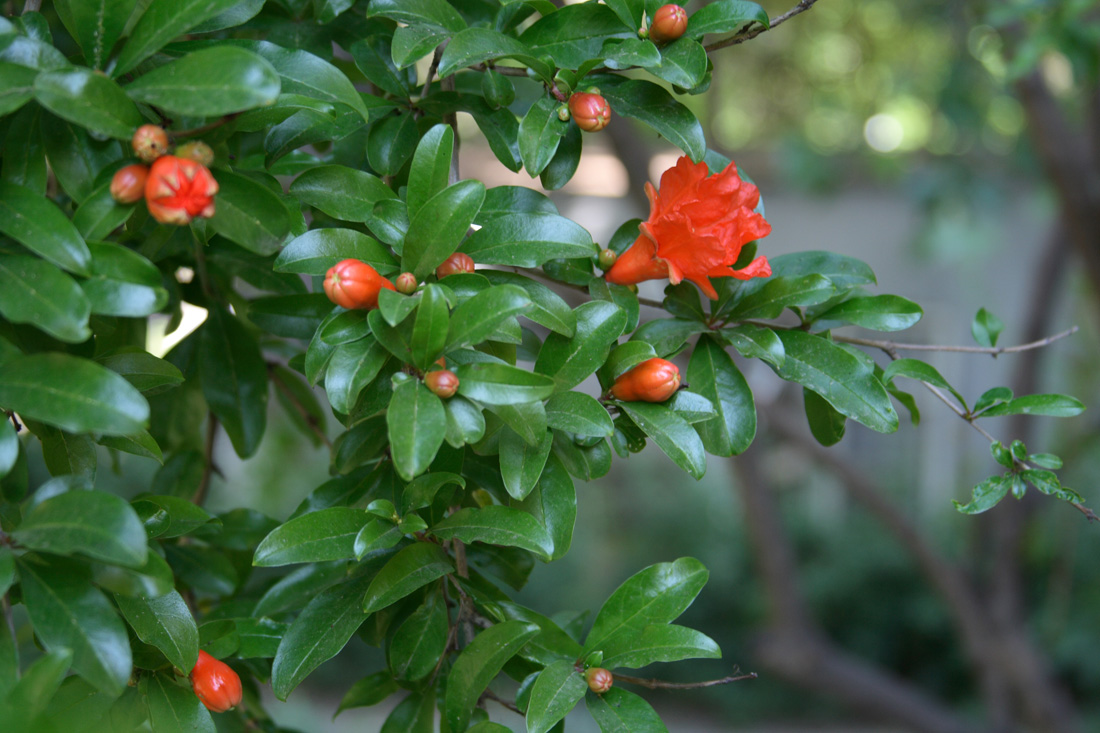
x=490, y=695
x=503, y=70
x=208, y=460
x=893, y=346
x=194, y=131
x=436, y=57
x=662, y=685
x=746, y=35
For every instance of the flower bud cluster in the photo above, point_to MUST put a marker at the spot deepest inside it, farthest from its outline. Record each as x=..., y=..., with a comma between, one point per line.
x=176, y=188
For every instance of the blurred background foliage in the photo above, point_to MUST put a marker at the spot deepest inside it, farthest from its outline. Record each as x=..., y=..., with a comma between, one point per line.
x=862, y=106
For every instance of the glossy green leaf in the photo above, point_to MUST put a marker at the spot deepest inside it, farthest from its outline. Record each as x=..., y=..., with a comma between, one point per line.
x=174, y=708
x=783, y=292
x=95, y=24
x=368, y=691
x=478, y=664
x=465, y=422
x=89, y=99
x=843, y=271
x=317, y=250
x=547, y=307
x=756, y=342
x=318, y=634
x=725, y=16
x=986, y=495
x=619, y=711
x=826, y=424
x=671, y=433
x=1051, y=405
x=846, y=382
x=713, y=374
x=433, y=13
x=553, y=503
x=417, y=425
x=985, y=328
x=556, y=691
x=39, y=225
x=431, y=166
x=569, y=361
x=174, y=516
x=540, y=133
x=249, y=214
x=429, y=333
x=497, y=525
x=352, y=367
x=683, y=63
x=9, y=448
x=574, y=34
x=521, y=463
x=578, y=413
x=16, y=86
x=656, y=595
x=73, y=394
x=123, y=283
x=529, y=240
x=31, y=695
x=341, y=192
x=234, y=379
x=660, y=643
x=143, y=370
x=420, y=640
x=439, y=226
x=916, y=369
x=650, y=104
x=413, y=567
x=328, y=534
x=67, y=612
x=37, y=292
x=374, y=56
x=290, y=316
x=162, y=21
x=100, y=214
x=472, y=46
x=390, y=143
x=500, y=384
x=877, y=312
x=151, y=580
x=480, y=316
x=377, y=534
x=91, y=523
x=214, y=81
x=166, y=623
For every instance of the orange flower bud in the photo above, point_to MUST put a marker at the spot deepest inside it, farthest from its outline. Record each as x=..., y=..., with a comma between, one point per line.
x=654, y=380
x=405, y=283
x=599, y=680
x=150, y=142
x=128, y=184
x=215, y=683
x=178, y=190
x=443, y=383
x=458, y=262
x=669, y=23
x=591, y=111
x=197, y=151
x=355, y=284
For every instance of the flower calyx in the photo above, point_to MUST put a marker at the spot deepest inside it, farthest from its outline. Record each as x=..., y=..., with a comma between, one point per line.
x=599, y=680
x=457, y=263
x=354, y=284
x=590, y=110
x=149, y=142
x=405, y=283
x=215, y=684
x=443, y=383
x=197, y=151
x=654, y=380
x=128, y=183
x=669, y=23
x=179, y=190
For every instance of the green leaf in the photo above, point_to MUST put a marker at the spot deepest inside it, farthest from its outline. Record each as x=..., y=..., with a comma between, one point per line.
x=986, y=495
x=725, y=16
x=521, y=463
x=540, y=132
x=650, y=104
x=497, y=525
x=73, y=394
x=88, y=99
x=667, y=335
x=660, y=643
x=290, y=316
x=472, y=46
x=683, y=63
x=657, y=594
x=619, y=711
x=574, y=34
x=123, y=283
x=554, y=503
x=756, y=342
x=100, y=214
x=547, y=308
x=826, y=424
x=341, y=192
x=478, y=664
x=249, y=213
x=465, y=422
x=671, y=433
x=413, y=567
x=174, y=708
x=916, y=369
x=508, y=200
x=843, y=271
x=377, y=534
x=152, y=580
x=429, y=334
x=713, y=374
x=162, y=21
x=629, y=11
x=569, y=361
x=390, y=142
x=352, y=367
x=420, y=640
x=35, y=222
x=30, y=696
x=234, y=379
x=439, y=226
x=845, y=381
x=500, y=384
x=529, y=240
x=480, y=316
x=578, y=413
x=877, y=312
x=35, y=291
x=556, y=691
x=67, y=612
x=1051, y=405
x=417, y=425
x=782, y=292
x=318, y=634
x=375, y=58
x=16, y=87
x=260, y=637
x=328, y=534
x=9, y=449
x=143, y=370
x=167, y=624
x=92, y=523
x=317, y=250
x=985, y=328
x=431, y=165
x=433, y=13
x=213, y=81
x=174, y=515
x=368, y=691
x=95, y=24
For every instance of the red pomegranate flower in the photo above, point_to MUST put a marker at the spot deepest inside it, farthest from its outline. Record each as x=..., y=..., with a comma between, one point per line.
x=178, y=190
x=696, y=228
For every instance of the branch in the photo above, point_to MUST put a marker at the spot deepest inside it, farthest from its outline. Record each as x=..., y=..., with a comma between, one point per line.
x=490, y=695
x=890, y=347
x=654, y=684
x=756, y=30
